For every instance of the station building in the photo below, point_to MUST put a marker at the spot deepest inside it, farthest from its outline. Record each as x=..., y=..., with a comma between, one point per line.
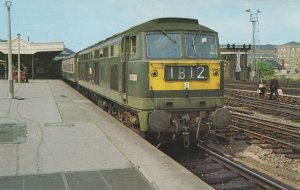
x=37, y=57
x=235, y=59
x=289, y=56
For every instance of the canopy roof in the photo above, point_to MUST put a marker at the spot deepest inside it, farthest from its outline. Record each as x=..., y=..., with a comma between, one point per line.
x=30, y=47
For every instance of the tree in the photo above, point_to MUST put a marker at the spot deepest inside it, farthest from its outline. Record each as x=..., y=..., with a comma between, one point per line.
x=265, y=69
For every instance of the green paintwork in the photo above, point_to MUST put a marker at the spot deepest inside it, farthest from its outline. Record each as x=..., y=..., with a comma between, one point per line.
x=138, y=98
x=69, y=76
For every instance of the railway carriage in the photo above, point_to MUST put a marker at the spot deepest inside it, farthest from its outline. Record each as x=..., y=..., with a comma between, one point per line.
x=68, y=69
x=162, y=77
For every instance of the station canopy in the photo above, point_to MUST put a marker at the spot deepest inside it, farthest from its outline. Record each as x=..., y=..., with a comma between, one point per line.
x=37, y=57
x=31, y=48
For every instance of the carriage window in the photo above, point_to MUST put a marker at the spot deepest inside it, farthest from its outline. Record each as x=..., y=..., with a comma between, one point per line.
x=112, y=51
x=96, y=73
x=101, y=53
x=97, y=54
x=105, y=52
x=125, y=44
x=133, y=44
x=116, y=50
x=163, y=45
x=201, y=46
x=114, y=82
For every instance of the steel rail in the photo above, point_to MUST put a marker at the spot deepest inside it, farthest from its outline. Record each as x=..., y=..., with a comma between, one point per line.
x=247, y=171
x=290, y=99
x=257, y=127
x=295, y=147
x=269, y=102
x=268, y=123
x=266, y=126
x=291, y=112
x=266, y=102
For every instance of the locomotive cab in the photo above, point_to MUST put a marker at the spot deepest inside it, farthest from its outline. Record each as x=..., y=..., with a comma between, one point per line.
x=185, y=82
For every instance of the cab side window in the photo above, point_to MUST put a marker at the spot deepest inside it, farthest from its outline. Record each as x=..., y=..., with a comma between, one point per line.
x=134, y=47
x=133, y=44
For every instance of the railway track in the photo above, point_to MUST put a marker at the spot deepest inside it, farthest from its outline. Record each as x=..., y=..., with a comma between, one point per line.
x=275, y=128
x=221, y=173
x=287, y=111
x=281, y=138
x=294, y=100
x=288, y=87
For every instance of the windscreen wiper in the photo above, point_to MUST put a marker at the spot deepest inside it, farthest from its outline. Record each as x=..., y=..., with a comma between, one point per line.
x=166, y=34
x=193, y=45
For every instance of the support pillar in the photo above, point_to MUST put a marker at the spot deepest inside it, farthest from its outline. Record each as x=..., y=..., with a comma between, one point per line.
x=32, y=67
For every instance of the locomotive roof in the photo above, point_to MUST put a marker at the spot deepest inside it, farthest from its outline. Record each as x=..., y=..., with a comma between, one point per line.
x=165, y=24
x=170, y=24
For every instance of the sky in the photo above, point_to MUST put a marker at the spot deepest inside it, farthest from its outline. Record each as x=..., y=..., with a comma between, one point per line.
x=80, y=23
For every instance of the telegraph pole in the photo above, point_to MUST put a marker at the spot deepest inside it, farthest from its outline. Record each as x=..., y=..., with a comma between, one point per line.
x=254, y=20
x=19, y=64
x=10, y=68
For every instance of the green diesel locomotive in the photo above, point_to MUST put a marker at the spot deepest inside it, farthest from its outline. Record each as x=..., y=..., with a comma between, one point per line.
x=161, y=77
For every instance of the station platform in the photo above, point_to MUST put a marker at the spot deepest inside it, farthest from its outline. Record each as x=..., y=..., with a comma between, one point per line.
x=53, y=138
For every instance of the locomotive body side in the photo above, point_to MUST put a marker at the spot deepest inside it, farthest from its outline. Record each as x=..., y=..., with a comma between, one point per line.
x=163, y=76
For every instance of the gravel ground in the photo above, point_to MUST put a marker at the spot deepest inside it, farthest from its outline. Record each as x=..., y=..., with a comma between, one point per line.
x=263, y=160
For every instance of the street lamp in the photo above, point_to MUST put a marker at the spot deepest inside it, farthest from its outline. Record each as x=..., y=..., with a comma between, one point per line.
x=10, y=69
x=254, y=20
x=19, y=65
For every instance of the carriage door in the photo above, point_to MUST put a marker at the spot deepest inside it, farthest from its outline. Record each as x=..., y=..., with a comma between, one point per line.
x=124, y=60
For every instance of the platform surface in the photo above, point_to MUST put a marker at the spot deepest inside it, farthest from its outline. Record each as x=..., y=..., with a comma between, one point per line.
x=51, y=137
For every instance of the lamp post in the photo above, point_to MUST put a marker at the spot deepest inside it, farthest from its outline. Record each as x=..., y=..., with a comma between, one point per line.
x=254, y=20
x=19, y=65
x=10, y=69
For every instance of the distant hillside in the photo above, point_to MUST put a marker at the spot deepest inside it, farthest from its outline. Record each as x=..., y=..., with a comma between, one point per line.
x=273, y=47
x=266, y=47
x=263, y=47
x=292, y=43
